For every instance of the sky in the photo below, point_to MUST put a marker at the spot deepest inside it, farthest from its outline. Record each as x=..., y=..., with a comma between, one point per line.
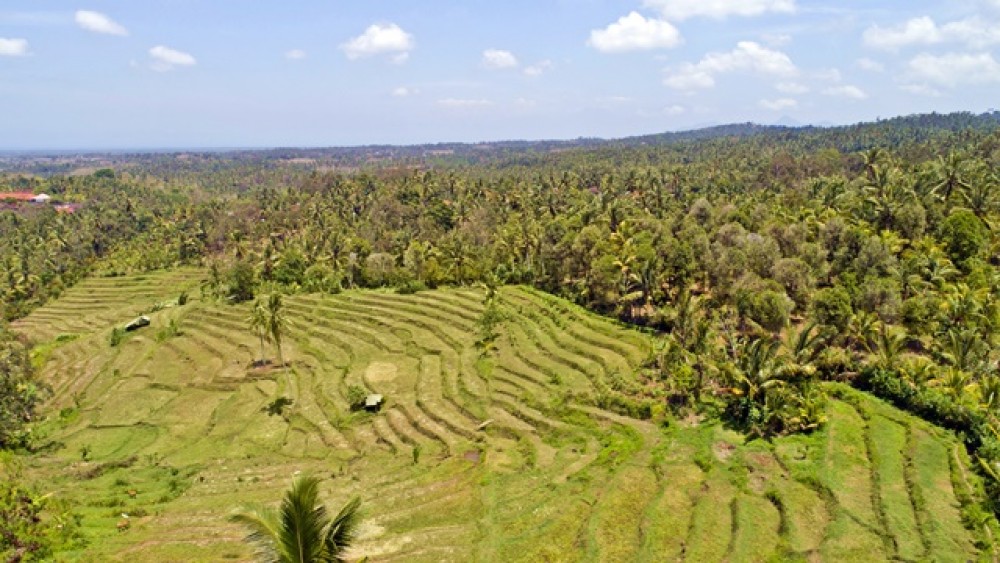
x=127, y=74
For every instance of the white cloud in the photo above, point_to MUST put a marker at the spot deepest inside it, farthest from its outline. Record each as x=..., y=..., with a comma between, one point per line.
x=974, y=32
x=921, y=90
x=404, y=92
x=846, y=91
x=295, y=54
x=464, y=103
x=99, y=23
x=955, y=68
x=791, y=88
x=746, y=57
x=13, y=47
x=165, y=58
x=380, y=39
x=498, y=59
x=865, y=63
x=779, y=104
x=921, y=30
x=538, y=68
x=718, y=9
x=828, y=75
x=635, y=32
x=674, y=110
x=776, y=39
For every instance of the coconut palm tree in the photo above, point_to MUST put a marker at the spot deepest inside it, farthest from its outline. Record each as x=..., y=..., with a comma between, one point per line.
x=300, y=531
x=258, y=325
x=276, y=323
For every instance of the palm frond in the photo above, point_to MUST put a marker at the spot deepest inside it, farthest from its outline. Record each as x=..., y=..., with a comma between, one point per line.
x=302, y=519
x=264, y=530
x=342, y=530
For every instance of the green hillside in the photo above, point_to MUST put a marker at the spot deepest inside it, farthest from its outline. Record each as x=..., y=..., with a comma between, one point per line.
x=502, y=458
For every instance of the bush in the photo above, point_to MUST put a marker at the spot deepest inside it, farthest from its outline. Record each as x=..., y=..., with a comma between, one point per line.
x=410, y=287
x=19, y=393
x=117, y=335
x=965, y=236
x=770, y=309
x=356, y=396
x=832, y=306
x=241, y=281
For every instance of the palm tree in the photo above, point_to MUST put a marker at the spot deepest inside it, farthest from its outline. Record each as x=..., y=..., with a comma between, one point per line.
x=258, y=324
x=889, y=347
x=300, y=531
x=276, y=323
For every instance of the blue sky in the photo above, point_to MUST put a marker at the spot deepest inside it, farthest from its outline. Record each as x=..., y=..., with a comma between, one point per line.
x=234, y=73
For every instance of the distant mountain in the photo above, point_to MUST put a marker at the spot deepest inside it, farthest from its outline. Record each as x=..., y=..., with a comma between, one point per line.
x=846, y=138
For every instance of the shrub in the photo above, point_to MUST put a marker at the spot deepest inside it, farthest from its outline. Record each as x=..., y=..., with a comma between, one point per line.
x=965, y=236
x=356, y=396
x=410, y=287
x=241, y=280
x=117, y=335
x=832, y=306
x=770, y=309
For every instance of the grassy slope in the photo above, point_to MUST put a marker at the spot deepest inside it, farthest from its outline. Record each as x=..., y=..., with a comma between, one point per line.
x=180, y=422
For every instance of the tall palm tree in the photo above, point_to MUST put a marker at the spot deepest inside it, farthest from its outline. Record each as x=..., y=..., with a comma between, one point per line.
x=300, y=531
x=258, y=324
x=276, y=323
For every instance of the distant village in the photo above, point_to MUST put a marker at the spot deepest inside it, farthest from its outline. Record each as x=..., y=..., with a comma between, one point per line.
x=17, y=200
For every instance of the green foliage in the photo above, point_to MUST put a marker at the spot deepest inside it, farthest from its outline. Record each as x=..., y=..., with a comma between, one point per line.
x=172, y=330
x=301, y=529
x=356, y=396
x=116, y=337
x=33, y=526
x=241, y=280
x=20, y=393
x=832, y=306
x=965, y=236
x=770, y=309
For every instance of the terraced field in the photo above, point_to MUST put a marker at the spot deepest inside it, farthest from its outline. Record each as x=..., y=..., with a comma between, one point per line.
x=502, y=458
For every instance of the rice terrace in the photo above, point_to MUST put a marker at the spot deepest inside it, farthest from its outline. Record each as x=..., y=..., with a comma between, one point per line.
x=497, y=459
x=617, y=281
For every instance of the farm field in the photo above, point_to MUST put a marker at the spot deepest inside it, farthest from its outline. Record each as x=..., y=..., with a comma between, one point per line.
x=472, y=458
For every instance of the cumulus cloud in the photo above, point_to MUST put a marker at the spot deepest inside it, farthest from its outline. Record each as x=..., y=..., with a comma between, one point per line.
x=748, y=56
x=404, y=92
x=99, y=23
x=13, y=47
x=295, y=54
x=635, y=32
x=955, y=68
x=165, y=58
x=974, y=32
x=461, y=103
x=865, y=63
x=538, y=68
x=718, y=9
x=498, y=59
x=846, y=91
x=380, y=39
x=779, y=104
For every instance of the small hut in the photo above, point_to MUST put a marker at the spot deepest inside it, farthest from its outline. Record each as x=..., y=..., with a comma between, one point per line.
x=373, y=403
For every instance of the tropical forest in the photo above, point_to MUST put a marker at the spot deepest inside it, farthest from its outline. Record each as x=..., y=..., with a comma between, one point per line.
x=753, y=343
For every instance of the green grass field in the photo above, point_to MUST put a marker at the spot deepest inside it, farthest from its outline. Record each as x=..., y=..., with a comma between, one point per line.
x=502, y=459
